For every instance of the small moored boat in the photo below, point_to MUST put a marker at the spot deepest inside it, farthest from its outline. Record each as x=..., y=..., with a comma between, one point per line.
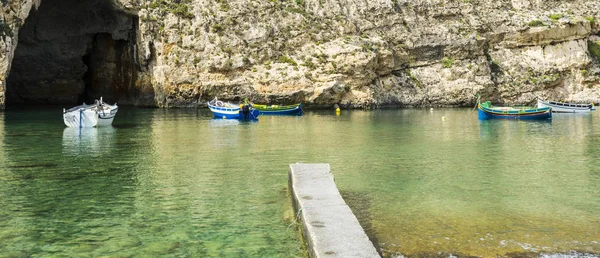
x=97, y=114
x=487, y=111
x=295, y=109
x=562, y=107
x=227, y=110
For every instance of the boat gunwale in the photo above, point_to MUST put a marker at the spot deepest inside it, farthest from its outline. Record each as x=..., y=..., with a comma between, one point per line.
x=265, y=107
x=511, y=111
x=83, y=106
x=228, y=107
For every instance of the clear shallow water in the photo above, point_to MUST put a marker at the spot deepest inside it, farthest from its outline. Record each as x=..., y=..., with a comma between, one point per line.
x=177, y=183
x=427, y=186
x=172, y=183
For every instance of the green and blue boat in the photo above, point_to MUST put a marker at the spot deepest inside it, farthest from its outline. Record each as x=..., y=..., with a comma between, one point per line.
x=295, y=109
x=487, y=111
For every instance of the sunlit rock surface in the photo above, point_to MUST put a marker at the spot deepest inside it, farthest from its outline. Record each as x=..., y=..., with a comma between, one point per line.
x=359, y=54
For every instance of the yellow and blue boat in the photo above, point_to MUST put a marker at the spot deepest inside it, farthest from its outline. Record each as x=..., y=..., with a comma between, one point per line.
x=295, y=109
x=487, y=111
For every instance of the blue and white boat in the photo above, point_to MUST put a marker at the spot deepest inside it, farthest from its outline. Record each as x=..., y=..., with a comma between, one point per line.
x=225, y=110
x=563, y=107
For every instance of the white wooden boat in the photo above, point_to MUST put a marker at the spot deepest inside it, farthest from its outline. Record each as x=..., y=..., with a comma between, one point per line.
x=106, y=113
x=97, y=114
x=562, y=107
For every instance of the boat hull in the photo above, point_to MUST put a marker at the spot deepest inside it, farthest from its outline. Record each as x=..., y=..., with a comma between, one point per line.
x=518, y=114
x=280, y=110
x=80, y=118
x=233, y=113
x=560, y=107
x=106, y=119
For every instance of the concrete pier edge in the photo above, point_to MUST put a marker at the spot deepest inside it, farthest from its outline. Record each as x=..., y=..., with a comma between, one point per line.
x=328, y=225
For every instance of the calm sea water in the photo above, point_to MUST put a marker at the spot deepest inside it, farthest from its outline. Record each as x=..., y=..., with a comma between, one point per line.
x=178, y=183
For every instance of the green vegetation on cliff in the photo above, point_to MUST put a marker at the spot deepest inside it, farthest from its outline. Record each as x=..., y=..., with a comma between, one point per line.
x=447, y=62
x=591, y=19
x=180, y=8
x=535, y=23
x=555, y=16
x=287, y=59
x=594, y=48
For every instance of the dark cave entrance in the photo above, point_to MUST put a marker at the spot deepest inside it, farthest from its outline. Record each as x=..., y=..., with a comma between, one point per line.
x=72, y=51
x=87, y=80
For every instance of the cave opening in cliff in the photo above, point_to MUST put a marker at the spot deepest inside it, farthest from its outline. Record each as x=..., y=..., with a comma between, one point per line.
x=87, y=79
x=72, y=51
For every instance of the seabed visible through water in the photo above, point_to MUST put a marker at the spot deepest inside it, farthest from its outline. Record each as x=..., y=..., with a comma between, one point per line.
x=178, y=183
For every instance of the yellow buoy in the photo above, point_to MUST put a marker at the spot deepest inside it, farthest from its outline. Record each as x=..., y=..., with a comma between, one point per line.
x=337, y=110
x=443, y=118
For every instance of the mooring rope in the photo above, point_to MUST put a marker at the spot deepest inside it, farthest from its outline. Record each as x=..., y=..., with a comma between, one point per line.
x=296, y=219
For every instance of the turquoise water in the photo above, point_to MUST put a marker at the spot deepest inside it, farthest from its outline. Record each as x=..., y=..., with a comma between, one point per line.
x=177, y=183
x=160, y=182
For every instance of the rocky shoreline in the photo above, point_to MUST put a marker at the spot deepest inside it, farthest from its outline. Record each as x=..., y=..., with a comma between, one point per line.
x=353, y=53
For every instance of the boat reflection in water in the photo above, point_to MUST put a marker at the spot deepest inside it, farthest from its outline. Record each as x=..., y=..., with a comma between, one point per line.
x=223, y=122
x=224, y=132
x=93, y=141
x=503, y=129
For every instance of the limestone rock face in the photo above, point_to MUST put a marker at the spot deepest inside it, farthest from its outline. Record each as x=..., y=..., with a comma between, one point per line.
x=358, y=54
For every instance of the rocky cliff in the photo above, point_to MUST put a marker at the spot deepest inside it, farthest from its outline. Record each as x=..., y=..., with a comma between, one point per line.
x=356, y=53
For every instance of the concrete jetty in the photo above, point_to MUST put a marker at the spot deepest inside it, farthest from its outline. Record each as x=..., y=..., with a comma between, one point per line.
x=329, y=226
